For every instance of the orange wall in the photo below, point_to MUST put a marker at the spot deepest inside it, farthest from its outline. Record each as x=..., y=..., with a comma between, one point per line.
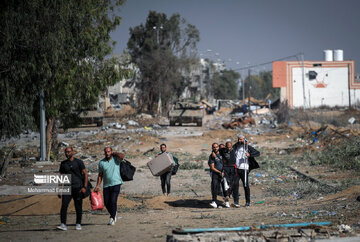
x=279, y=74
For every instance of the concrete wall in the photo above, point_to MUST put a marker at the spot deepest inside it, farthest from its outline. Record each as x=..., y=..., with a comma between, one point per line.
x=330, y=87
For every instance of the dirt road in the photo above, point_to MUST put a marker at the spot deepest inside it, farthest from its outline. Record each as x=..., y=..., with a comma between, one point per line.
x=145, y=215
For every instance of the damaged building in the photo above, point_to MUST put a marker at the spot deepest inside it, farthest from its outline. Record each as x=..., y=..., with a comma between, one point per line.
x=310, y=84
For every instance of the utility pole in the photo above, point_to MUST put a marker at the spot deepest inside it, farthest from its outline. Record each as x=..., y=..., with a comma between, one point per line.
x=249, y=73
x=349, y=86
x=243, y=88
x=159, y=109
x=249, y=109
x=303, y=79
x=201, y=84
x=42, y=128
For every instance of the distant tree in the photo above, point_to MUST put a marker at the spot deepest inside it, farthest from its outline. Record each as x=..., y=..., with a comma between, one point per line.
x=260, y=86
x=224, y=84
x=58, y=47
x=162, y=50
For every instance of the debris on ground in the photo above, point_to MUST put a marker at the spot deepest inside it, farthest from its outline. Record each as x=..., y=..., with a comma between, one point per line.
x=240, y=122
x=343, y=228
x=250, y=233
x=352, y=120
x=279, y=194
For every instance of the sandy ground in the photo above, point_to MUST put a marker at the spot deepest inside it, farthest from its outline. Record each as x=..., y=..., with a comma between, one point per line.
x=145, y=215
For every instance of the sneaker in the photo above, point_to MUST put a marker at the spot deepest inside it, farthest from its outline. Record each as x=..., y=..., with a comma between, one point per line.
x=78, y=227
x=213, y=204
x=236, y=205
x=227, y=204
x=247, y=204
x=62, y=227
x=111, y=222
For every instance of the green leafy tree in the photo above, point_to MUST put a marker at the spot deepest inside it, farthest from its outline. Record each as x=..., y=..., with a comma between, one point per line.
x=224, y=84
x=60, y=48
x=162, y=50
x=260, y=86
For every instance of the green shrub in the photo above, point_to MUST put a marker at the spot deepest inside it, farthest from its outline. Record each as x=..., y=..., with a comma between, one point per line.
x=345, y=156
x=190, y=165
x=202, y=156
x=301, y=190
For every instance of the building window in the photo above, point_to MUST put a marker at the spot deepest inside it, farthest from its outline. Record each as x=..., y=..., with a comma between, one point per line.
x=312, y=75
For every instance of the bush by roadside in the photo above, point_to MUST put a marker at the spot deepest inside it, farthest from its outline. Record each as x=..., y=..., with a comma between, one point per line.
x=345, y=156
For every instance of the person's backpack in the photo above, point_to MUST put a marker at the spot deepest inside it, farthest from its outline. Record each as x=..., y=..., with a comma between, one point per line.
x=176, y=167
x=127, y=170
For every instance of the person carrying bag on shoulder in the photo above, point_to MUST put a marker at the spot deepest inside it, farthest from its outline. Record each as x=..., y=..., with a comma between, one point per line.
x=109, y=172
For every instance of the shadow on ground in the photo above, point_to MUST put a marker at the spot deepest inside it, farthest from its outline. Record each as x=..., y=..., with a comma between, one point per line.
x=189, y=203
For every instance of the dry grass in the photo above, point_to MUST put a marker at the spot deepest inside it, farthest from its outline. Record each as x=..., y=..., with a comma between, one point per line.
x=323, y=116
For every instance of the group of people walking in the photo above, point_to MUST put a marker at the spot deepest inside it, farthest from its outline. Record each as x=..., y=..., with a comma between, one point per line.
x=228, y=165
x=109, y=174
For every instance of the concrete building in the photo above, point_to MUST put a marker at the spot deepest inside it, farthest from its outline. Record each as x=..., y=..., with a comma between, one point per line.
x=124, y=91
x=199, y=79
x=315, y=83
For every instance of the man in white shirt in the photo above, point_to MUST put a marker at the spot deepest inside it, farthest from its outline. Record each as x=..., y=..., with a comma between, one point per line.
x=243, y=154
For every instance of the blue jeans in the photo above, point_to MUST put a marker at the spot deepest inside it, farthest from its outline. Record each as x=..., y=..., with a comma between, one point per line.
x=110, y=199
x=165, y=180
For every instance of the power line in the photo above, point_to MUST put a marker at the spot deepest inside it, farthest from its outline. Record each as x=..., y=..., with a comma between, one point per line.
x=269, y=62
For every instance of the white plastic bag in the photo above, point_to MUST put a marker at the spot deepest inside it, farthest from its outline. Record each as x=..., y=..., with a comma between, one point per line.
x=226, y=185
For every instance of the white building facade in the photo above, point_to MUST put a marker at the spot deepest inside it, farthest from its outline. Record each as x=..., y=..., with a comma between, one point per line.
x=312, y=84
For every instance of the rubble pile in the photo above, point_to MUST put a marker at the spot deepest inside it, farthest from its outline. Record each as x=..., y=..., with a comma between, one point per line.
x=241, y=122
x=281, y=234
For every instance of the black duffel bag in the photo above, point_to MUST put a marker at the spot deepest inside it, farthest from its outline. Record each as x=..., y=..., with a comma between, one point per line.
x=127, y=170
x=88, y=190
x=176, y=167
x=88, y=187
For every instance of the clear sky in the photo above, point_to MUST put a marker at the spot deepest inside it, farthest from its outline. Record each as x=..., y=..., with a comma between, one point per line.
x=258, y=31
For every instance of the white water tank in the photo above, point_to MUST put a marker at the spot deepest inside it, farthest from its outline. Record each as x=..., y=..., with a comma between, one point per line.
x=328, y=55
x=338, y=55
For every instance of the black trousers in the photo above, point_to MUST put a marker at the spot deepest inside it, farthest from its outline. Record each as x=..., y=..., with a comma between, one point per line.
x=165, y=180
x=76, y=196
x=215, y=185
x=230, y=173
x=110, y=199
x=244, y=176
